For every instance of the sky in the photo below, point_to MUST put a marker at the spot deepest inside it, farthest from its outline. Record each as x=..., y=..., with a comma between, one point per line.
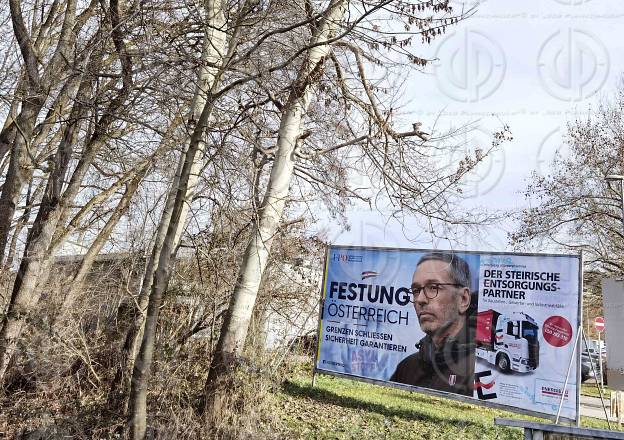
x=535, y=65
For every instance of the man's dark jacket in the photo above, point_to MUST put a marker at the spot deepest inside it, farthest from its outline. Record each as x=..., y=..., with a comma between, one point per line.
x=448, y=368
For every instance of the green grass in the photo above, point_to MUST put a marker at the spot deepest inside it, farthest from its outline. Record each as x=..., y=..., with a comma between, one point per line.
x=591, y=390
x=343, y=409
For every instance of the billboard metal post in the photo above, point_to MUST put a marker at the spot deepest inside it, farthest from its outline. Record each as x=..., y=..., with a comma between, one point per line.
x=565, y=384
x=600, y=361
x=579, y=348
x=320, y=317
x=600, y=391
x=599, y=325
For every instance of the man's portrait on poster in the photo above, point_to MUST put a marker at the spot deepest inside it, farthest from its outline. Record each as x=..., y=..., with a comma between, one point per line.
x=443, y=301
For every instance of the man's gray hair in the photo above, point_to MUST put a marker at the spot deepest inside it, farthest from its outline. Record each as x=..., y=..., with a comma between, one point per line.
x=457, y=267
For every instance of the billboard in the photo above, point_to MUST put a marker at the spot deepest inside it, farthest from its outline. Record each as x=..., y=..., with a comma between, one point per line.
x=490, y=328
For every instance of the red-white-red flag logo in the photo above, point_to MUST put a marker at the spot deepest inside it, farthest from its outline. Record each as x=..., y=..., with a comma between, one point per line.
x=369, y=274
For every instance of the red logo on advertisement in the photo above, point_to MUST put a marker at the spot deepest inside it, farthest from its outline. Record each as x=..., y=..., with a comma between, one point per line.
x=478, y=384
x=553, y=392
x=557, y=331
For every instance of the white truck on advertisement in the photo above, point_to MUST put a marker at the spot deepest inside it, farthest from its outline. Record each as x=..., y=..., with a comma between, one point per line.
x=508, y=341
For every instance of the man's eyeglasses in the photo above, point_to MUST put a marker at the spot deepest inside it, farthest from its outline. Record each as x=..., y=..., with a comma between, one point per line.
x=430, y=290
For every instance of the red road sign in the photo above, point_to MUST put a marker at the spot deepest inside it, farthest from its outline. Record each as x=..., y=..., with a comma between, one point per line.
x=599, y=324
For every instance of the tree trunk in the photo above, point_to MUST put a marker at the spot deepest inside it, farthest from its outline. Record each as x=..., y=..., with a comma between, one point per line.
x=25, y=139
x=211, y=55
x=137, y=410
x=173, y=218
x=9, y=130
x=24, y=219
x=134, y=333
x=24, y=295
x=17, y=174
x=236, y=322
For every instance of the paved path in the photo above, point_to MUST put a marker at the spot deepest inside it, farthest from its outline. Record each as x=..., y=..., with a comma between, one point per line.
x=592, y=407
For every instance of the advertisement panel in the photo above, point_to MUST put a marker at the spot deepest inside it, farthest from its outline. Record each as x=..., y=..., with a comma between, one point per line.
x=485, y=327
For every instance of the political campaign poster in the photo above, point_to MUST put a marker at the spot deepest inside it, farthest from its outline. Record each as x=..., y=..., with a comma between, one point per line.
x=493, y=328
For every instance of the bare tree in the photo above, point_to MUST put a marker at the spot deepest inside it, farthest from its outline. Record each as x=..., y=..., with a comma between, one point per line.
x=56, y=203
x=387, y=156
x=572, y=207
x=214, y=53
x=35, y=87
x=234, y=330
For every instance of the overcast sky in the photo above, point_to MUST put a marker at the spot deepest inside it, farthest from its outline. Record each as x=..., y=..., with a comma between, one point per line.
x=535, y=65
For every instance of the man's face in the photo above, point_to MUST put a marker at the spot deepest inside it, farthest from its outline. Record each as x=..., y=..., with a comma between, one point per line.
x=437, y=314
